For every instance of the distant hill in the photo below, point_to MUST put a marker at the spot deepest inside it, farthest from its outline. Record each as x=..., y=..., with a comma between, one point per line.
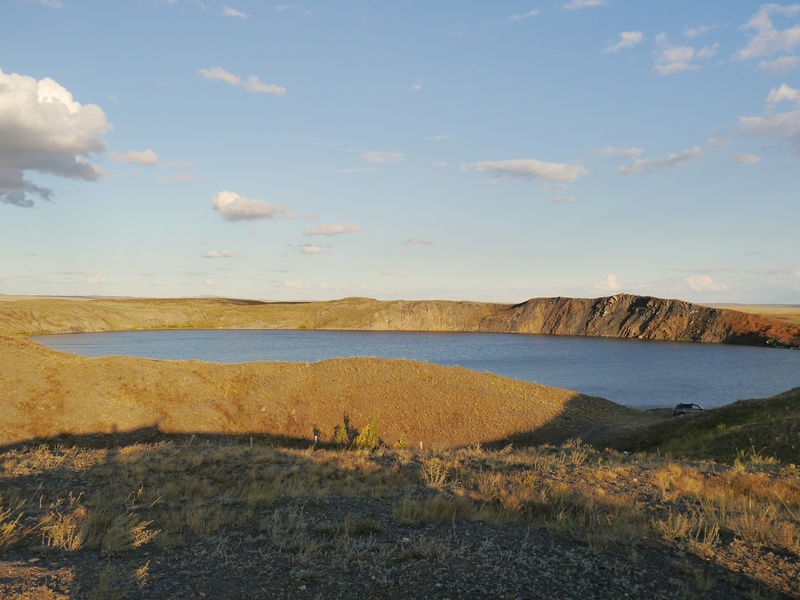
x=622, y=315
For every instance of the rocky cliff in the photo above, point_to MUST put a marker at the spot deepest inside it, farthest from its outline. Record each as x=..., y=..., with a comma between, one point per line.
x=628, y=316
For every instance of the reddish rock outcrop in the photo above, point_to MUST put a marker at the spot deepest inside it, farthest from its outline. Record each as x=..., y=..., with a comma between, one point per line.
x=628, y=316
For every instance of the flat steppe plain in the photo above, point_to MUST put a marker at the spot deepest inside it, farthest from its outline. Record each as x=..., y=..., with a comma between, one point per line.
x=134, y=478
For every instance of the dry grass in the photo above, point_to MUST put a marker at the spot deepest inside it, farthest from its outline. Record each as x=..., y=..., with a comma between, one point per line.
x=139, y=501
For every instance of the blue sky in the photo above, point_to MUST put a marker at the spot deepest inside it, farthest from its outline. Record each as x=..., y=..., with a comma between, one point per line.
x=401, y=150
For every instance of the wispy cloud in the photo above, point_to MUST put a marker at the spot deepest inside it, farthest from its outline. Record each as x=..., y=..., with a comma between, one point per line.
x=415, y=87
x=627, y=39
x=145, y=158
x=530, y=168
x=298, y=8
x=523, y=16
x=560, y=199
x=251, y=84
x=747, y=159
x=644, y=165
x=356, y=170
x=313, y=249
x=233, y=207
x=627, y=153
x=577, y=4
x=334, y=229
x=374, y=156
x=221, y=254
x=227, y=11
x=414, y=241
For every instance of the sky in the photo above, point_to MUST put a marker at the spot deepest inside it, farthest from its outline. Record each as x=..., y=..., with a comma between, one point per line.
x=457, y=150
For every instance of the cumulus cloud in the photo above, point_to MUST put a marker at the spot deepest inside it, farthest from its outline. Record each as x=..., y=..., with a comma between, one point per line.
x=227, y=11
x=233, y=207
x=251, y=84
x=530, y=168
x=609, y=284
x=668, y=160
x=417, y=242
x=704, y=283
x=691, y=32
x=627, y=39
x=576, y=4
x=299, y=8
x=313, y=249
x=782, y=94
x=785, y=125
x=376, y=157
x=220, y=254
x=333, y=229
x=670, y=59
x=747, y=159
x=767, y=39
x=145, y=158
x=43, y=129
x=415, y=87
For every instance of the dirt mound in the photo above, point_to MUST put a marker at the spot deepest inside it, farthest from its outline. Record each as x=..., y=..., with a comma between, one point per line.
x=46, y=393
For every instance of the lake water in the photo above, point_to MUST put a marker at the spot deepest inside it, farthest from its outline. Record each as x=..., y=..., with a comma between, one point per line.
x=642, y=374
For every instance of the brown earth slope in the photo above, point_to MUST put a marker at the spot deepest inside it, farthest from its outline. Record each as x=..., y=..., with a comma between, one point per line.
x=46, y=393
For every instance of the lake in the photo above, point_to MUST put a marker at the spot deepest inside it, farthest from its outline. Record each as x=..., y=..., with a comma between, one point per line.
x=637, y=373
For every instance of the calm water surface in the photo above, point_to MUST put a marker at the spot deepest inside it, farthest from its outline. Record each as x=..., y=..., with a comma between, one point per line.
x=642, y=374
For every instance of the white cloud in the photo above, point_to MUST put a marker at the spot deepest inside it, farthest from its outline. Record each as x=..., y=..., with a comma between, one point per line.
x=576, y=4
x=768, y=39
x=671, y=59
x=609, y=284
x=784, y=125
x=374, y=156
x=220, y=254
x=530, y=168
x=252, y=84
x=781, y=94
x=439, y=138
x=313, y=249
x=747, y=159
x=704, y=283
x=416, y=87
x=417, y=242
x=784, y=64
x=233, y=207
x=145, y=158
x=668, y=160
x=227, y=11
x=43, y=129
x=627, y=39
x=333, y=229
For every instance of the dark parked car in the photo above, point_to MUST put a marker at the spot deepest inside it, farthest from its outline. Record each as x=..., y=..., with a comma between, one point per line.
x=682, y=409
